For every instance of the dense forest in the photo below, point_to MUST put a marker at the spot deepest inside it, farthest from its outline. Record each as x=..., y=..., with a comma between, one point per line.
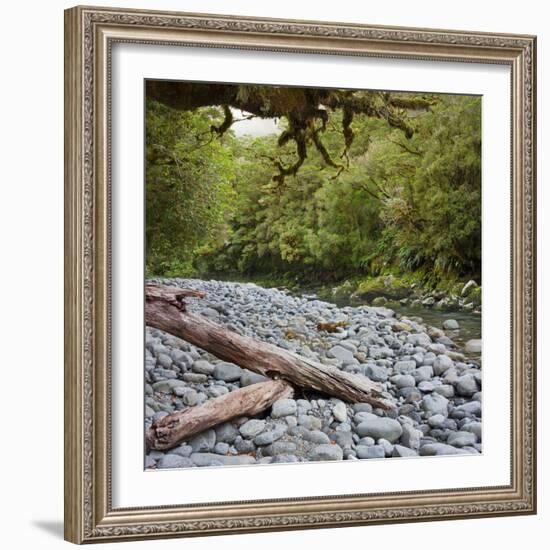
x=360, y=184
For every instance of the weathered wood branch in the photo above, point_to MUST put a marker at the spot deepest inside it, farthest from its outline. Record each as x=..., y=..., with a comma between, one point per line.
x=170, y=430
x=165, y=310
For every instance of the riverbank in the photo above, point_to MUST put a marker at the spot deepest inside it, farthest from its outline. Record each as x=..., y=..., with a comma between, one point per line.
x=435, y=383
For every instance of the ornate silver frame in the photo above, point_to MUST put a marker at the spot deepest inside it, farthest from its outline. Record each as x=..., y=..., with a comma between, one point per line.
x=89, y=35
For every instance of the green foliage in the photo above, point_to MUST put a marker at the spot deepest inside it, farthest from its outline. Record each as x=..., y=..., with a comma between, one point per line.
x=189, y=193
x=388, y=205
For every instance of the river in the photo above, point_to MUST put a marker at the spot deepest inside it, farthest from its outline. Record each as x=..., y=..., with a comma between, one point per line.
x=470, y=323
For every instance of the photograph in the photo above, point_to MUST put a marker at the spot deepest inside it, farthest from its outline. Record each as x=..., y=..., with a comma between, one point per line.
x=313, y=274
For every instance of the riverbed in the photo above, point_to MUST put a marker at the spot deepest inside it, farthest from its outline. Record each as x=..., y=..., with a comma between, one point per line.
x=469, y=322
x=435, y=389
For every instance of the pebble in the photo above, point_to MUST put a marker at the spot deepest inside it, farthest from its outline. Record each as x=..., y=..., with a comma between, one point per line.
x=227, y=372
x=436, y=420
x=310, y=422
x=342, y=354
x=466, y=385
x=378, y=427
x=343, y=439
x=173, y=461
x=441, y=364
x=182, y=450
x=340, y=412
x=248, y=378
x=432, y=449
x=283, y=407
x=204, y=441
x=266, y=438
x=221, y=448
x=401, y=451
x=280, y=448
x=226, y=432
x=252, y=428
x=315, y=436
x=411, y=437
x=203, y=367
x=435, y=404
x=327, y=452
x=404, y=367
x=194, y=377
x=370, y=451
x=212, y=459
x=376, y=373
x=461, y=439
x=473, y=346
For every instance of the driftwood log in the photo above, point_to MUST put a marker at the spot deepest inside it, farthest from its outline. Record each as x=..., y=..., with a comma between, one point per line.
x=170, y=430
x=165, y=310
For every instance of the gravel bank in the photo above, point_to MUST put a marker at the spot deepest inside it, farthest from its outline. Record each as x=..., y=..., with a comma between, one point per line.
x=436, y=385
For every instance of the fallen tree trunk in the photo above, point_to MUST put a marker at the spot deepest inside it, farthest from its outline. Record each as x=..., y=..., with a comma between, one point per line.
x=170, y=430
x=165, y=310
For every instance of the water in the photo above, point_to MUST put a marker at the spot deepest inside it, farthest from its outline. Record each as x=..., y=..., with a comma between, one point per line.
x=470, y=323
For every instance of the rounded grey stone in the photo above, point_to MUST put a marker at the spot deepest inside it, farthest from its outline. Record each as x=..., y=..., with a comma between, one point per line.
x=380, y=427
x=342, y=354
x=370, y=451
x=404, y=367
x=435, y=404
x=461, y=439
x=221, y=448
x=266, y=438
x=431, y=449
x=315, y=436
x=326, y=452
x=466, y=385
x=204, y=441
x=248, y=378
x=376, y=373
x=436, y=420
x=451, y=324
x=226, y=432
x=203, y=367
x=174, y=461
x=343, y=439
x=310, y=422
x=411, y=437
x=280, y=448
x=194, y=377
x=473, y=346
x=283, y=407
x=252, y=428
x=182, y=450
x=227, y=372
x=164, y=360
x=404, y=381
x=441, y=364
x=401, y=451
x=212, y=459
x=340, y=412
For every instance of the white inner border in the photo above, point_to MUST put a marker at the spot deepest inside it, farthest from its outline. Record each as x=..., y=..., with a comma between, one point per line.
x=132, y=486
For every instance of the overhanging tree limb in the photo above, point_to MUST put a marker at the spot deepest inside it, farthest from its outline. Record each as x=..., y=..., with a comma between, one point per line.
x=301, y=107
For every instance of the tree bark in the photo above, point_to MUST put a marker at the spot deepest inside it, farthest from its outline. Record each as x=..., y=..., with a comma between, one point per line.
x=165, y=310
x=170, y=430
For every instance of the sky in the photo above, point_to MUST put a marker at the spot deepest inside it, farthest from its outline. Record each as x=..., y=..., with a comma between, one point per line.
x=254, y=127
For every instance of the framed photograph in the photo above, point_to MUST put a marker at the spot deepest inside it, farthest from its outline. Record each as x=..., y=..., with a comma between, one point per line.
x=300, y=274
